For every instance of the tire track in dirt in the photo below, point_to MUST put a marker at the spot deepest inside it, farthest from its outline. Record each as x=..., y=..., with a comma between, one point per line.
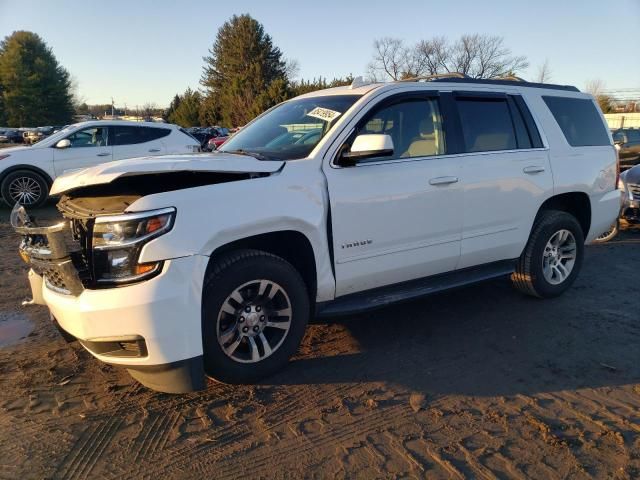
x=80, y=461
x=82, y=458
x=354, y=430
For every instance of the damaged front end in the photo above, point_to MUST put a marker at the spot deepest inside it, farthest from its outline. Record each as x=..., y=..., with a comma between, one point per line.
x=96, y=244
x=54, y=253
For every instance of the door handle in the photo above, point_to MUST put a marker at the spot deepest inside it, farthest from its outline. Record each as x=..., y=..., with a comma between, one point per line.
x=154, y=150
x=443, y=180
x=533, y=169
x=103, y=154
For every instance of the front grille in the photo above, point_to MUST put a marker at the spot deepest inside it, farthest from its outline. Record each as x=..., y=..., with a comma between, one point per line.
x=634, y=188
x=56, y=254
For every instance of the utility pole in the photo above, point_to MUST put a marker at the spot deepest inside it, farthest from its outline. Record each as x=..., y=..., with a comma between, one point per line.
x=112, y=109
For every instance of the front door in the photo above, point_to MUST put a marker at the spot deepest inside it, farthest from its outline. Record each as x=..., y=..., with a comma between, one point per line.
x=397, y=218
x=89, y=146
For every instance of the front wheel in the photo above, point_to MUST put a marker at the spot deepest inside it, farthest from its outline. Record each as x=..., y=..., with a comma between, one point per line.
x=552, y=257
x=24, y=187
x=255, y=310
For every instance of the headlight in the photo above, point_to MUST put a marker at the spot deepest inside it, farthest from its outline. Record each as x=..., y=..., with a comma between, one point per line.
x=117, y=241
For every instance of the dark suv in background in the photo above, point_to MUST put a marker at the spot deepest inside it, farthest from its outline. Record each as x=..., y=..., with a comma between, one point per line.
x=627, y=140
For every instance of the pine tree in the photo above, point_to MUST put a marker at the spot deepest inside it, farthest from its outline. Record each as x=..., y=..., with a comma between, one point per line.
x=173, y=106
x=35, y=88
x=244, y=74
x=187, y=113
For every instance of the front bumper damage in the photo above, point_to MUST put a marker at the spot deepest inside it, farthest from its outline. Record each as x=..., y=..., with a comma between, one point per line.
x=137, y=326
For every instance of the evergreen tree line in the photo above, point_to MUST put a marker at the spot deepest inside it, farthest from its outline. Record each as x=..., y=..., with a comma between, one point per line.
x=243, y=75
x=34, y=88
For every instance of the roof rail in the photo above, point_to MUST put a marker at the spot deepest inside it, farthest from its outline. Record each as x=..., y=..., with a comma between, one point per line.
x=515, y=81
x=435, y=76
x=511, y=78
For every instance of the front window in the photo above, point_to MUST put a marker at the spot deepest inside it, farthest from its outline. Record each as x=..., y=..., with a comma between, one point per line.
x=90, y=137
x=291, y=130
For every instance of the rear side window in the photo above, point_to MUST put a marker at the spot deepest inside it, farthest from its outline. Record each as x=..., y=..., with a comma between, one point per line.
x=486, y=124
x=129, y=135
x=579, y=120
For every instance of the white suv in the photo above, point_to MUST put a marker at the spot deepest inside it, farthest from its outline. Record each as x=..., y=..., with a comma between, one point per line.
x=26, y=173
x=336, y=201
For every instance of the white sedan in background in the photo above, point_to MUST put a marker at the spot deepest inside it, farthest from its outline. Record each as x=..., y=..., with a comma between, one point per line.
x=26, y=173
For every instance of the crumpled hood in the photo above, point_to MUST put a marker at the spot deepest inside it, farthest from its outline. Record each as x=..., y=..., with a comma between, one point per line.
x=208, y=162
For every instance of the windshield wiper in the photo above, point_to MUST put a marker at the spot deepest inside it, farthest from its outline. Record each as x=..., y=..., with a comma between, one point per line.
x=248, y=153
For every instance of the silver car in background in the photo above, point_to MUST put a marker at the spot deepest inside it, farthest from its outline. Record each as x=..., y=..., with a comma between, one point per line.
x=629, y=184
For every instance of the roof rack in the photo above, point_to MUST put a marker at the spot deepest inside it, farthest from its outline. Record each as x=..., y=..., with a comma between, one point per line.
x=435, y=76
x=457, y=77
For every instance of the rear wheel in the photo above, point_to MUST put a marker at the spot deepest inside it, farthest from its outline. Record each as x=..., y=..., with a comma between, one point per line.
x=552, y=258
x=25, y=187
x=255, y=310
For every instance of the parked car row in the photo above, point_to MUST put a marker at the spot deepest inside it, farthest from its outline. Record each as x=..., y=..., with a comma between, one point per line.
x=627, y=141
x=27, y=135
x=27, y=173
x=11, y=136
x=210, y=138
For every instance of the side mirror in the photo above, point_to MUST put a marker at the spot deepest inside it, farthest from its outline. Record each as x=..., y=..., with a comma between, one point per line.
x=367, y=146
x=64, y=143
x=620, y=140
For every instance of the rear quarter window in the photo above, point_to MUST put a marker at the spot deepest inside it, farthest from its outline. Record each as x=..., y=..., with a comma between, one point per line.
x=579, y=121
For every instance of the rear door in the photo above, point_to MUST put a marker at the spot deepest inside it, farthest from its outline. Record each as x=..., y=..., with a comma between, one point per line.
x=131, y=141
x=89, y=146
x=506, y=174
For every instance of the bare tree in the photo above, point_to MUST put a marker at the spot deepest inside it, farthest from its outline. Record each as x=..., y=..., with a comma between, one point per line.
x=292, y=68
x=484, y=56
x=390, y=59
x=434, y=54
x=544, y=72
x=597, y=88
x=478, y=56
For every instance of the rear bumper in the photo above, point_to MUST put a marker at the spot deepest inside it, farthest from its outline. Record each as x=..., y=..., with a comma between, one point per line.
x=605, y=209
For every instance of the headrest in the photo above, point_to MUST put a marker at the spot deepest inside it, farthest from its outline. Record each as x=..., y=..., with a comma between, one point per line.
x=426, y=127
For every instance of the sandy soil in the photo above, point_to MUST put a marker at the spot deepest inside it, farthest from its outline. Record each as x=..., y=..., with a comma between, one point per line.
x=476, y=383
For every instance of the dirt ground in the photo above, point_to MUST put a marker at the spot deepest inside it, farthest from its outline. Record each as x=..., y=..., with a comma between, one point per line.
x=476, y=383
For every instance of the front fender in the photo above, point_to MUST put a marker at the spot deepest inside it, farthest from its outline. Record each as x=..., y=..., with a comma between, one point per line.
x=212, y=216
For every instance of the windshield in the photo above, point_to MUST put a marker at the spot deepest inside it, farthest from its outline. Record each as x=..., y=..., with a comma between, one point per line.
x=291, y=130
x=53, y=139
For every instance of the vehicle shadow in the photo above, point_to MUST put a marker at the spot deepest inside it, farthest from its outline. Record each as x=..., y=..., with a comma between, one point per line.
x=490, y=340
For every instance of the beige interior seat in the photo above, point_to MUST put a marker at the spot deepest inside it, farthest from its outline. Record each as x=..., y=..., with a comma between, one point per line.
x=425, y=144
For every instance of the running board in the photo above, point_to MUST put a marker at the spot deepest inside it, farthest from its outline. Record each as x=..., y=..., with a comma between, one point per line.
x=400, y=292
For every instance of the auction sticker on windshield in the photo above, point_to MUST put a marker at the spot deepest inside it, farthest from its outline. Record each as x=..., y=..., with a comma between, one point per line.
x=324, y=114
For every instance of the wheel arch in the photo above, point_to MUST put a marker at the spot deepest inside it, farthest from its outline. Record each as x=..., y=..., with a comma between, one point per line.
x=33, y=168
x=577, y=204
x=291, y=245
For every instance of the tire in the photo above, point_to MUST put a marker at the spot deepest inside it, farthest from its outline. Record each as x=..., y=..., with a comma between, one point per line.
x=609, y=234
x=535, y=273
x=31, y=183
x=232, y=329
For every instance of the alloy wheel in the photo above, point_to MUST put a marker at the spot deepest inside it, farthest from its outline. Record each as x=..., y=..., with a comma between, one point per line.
x=254, y=321
x=559, y=257
x=25, y=190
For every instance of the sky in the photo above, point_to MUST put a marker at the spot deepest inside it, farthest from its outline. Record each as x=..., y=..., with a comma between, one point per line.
x=144, y=51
